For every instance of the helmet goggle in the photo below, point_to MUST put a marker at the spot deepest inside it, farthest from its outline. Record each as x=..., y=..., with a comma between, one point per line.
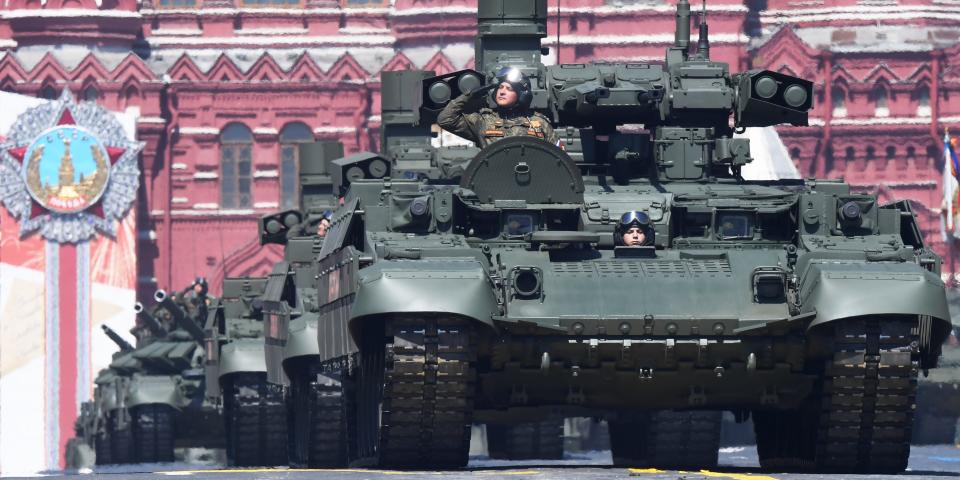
x=639, y=219
x=510, y=75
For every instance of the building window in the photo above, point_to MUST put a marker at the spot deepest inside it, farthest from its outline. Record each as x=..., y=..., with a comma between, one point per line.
x=290, y=137
x=839, y=98
x=91, y=94
x=364, y=3
x=273, y=3
x=176, y=4
x=891, y=152
x=236, y=162
x=48, y=92
x=923, y=102
x=850, y=154
x=880, y=102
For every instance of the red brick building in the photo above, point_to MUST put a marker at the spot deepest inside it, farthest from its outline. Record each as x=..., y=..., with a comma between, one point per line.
x=226, y=89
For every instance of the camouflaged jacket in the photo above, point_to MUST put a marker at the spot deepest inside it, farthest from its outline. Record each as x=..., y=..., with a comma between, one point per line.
x=487, y=126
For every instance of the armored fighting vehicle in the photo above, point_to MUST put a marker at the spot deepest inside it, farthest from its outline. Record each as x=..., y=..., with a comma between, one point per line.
x=150, y=398
x=254, y=411
x=499, y=294
x=291, y=351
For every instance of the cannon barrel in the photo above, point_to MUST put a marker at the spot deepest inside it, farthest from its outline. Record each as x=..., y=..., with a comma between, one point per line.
x=149, y=320
x=123, y=344
x=179, y=315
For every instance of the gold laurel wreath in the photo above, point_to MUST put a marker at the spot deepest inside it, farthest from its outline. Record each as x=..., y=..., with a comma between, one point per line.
x=33, y=172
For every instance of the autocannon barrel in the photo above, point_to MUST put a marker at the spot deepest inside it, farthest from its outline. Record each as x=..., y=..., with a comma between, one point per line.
x=178, y=315
x=123, y=344
x=149, y=320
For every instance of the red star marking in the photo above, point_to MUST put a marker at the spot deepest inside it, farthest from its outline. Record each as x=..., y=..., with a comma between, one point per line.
x=36, y=210
x=115, y=153
x=18, y=153
x=96, y=209
x=66, y=118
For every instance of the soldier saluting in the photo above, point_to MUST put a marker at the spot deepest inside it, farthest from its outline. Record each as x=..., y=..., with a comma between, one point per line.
x=467, y=116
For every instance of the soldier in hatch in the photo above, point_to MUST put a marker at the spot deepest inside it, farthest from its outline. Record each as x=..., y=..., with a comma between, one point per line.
x=468, y=117
x=634, y=230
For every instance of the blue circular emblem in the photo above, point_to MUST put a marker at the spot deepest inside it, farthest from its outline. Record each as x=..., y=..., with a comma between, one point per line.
x=66, y=169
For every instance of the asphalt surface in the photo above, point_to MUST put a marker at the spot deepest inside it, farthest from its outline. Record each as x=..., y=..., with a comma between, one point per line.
x=736, y=463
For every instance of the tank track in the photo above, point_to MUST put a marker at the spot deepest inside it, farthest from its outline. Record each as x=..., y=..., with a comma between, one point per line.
x=121, y=440
x=860, y=419
x=321, y=421
x=101, y=447
x=256, y=423
x=526, y=441
x=688, y=440
x=153, y=433
x=422, y=381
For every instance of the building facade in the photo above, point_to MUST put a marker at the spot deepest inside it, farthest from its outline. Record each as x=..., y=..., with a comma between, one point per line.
x=225, y=89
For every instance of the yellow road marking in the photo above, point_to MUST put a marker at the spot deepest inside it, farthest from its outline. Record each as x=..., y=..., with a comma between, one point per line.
x=735, y=476
x=706, y=473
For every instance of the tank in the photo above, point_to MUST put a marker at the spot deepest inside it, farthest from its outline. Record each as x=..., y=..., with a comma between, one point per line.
x=150, y=400
x=254, y=411
x=496, y=292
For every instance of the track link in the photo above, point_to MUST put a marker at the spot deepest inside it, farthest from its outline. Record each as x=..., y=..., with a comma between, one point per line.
x=422, y=383
x=322, y=419
x=687, y=440
x=861, y=417
x=256, y=423
x=526, y=441
x=153, y=433
x=121, y=440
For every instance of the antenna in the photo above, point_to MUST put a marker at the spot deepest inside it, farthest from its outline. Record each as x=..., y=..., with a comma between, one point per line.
x=703, y=43
x=558, y=32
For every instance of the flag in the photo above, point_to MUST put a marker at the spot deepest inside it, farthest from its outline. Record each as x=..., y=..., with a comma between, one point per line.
x=949, y=221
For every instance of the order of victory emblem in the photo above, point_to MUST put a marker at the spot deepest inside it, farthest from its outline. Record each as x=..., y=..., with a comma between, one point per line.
x=68, y=170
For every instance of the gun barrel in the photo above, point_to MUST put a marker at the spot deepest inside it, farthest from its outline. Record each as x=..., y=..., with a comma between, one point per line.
x=179, y=316
x=682, y=35
x=149, y=320
x=123, y=344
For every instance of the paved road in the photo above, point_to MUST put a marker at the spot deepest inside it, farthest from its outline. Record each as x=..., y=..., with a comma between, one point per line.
x=737, y=463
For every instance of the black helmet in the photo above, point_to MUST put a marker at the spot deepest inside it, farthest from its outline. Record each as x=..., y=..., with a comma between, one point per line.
x=635, y=219
x=519, y=82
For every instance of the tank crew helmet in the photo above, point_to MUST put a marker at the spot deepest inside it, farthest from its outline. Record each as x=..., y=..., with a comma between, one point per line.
x=635, y=219
x=520, y=84
x=202, y=283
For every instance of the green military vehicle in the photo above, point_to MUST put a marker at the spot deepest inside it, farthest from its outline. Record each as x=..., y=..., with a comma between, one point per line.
x=291, y=353
x=503, y=297
x=254, y=411
x=150, y=398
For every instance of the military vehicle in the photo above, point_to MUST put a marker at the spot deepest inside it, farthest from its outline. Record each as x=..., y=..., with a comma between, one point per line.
x=150, y=398
x=254, y=411
x=291, y=349
x=497, y=293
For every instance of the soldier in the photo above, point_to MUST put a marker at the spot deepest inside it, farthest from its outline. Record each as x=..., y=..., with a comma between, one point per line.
x=324, y=223
x=634, y=230
x=512, y=116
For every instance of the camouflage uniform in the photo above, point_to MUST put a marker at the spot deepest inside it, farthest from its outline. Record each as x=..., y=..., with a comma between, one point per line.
x=487, y=126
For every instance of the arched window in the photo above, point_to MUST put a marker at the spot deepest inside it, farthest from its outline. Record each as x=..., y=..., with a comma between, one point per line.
x=48, y=92
x=131, y=97
x=91, y=94
x=880, y=101
x=839, y=98
x=891, y=153
x=850, y=154
x=871, y=154
x=795, y=153
x=290, y=137
x=236, y=163
x=923, y=101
